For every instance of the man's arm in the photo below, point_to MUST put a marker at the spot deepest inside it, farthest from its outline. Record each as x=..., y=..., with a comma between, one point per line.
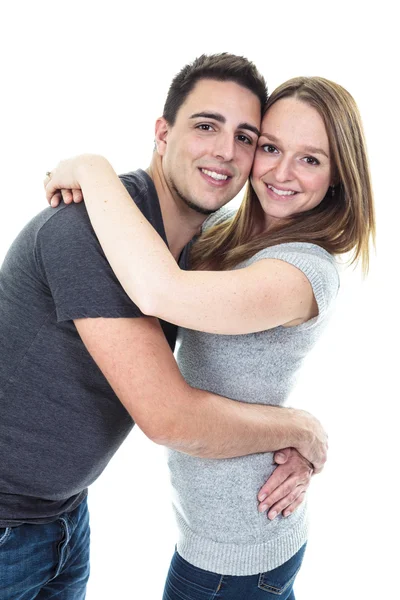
x=134, y=356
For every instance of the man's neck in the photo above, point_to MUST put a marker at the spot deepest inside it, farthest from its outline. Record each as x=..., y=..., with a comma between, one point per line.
x=181, y=223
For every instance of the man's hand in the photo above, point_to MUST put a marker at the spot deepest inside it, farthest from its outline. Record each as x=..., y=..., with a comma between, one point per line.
x=314, y=445
x=285, y=489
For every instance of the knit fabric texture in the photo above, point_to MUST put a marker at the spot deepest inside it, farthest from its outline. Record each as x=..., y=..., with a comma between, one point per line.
x=215, y=501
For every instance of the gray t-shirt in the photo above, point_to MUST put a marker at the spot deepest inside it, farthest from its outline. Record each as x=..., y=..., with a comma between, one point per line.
x=215, y=501
x=60, y=421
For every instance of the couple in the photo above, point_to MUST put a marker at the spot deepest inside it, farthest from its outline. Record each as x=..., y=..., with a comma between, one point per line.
x=264, y=278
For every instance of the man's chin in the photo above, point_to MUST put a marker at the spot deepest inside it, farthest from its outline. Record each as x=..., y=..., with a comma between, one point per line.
x=205, y=205
x=198, y=207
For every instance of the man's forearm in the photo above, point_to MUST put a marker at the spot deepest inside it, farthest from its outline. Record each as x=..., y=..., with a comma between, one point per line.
x=171, y=412
x=210, y=426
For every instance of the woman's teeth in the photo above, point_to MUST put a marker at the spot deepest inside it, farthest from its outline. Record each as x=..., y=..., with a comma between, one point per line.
x=281, y=192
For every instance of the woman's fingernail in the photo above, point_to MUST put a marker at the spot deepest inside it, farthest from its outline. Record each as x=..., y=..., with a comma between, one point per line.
x=272, y=515
x=263, y=508
x=261, y=498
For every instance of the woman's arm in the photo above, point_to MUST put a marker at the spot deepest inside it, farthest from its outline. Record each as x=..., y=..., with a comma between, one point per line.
x=264, y=295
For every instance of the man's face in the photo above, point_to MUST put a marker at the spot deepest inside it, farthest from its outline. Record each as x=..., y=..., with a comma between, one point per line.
x=208, y=153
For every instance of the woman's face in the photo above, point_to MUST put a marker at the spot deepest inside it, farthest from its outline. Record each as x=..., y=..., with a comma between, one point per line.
x=292, y=167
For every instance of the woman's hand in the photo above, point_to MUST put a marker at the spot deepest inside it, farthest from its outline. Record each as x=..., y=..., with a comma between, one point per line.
x=67, y=196
x=62, y=183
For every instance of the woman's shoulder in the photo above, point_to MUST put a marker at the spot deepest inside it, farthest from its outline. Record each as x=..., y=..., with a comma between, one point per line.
x=318, y=265
x=306, y=256
x=299, y=251
x=223, y=214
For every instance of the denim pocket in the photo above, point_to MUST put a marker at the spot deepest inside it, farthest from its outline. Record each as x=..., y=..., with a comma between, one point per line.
x=4, y=535
x=280, y=579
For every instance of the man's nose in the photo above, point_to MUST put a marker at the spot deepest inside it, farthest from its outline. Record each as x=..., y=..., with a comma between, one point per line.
x=224, y=147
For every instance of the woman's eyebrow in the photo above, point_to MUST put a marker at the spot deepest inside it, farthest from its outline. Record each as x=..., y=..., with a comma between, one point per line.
x=311, y=149
x=269, y=136
x=314, y=150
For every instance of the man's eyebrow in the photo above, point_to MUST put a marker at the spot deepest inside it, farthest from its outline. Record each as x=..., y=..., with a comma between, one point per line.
x=209, y=115
x=311, y=149
x=250, y=128
x=222, y=119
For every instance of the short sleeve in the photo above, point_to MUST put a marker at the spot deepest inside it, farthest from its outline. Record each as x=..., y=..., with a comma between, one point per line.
x=75, y=269
x=317, y=265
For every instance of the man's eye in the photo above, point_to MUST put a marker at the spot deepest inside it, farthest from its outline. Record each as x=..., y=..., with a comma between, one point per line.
x=269, y=148
x=245, y=139
x=205, y=127
x=310, y=160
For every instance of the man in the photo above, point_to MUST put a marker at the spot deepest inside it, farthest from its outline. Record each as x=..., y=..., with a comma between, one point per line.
x=79, y=360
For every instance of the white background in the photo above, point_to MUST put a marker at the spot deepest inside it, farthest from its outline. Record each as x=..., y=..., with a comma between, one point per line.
x=92, y=76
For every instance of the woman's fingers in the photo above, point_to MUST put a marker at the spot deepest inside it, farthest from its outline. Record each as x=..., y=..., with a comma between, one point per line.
x=77, y=196
x=55, y=199
x=67, y=196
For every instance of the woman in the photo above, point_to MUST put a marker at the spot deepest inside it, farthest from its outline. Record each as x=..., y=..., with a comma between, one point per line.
x=265, y=278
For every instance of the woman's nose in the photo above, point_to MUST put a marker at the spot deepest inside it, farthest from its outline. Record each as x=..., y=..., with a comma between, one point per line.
x=284, y=170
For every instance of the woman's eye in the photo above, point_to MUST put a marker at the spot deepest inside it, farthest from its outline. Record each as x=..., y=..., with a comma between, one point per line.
x=310, y=160
x=269, y=148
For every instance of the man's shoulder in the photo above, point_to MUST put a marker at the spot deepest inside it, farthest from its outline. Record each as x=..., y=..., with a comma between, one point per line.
x=48, y=219
x=143, y=192
x=139, y=185
x=71, y=222
x=64, y=219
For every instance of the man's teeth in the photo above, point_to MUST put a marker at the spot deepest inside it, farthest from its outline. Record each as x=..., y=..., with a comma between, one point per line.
x=281, y=192
x=214, y=175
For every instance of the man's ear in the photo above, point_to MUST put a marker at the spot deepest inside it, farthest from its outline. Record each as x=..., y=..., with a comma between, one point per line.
x=161, y=135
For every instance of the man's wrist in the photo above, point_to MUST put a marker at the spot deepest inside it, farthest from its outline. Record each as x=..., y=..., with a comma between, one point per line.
x=298, y=428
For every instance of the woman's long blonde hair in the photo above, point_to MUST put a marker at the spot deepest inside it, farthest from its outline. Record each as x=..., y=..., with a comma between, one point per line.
x=341, y=223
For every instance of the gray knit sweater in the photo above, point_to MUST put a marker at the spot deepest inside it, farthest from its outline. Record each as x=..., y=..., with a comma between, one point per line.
x=215, y=501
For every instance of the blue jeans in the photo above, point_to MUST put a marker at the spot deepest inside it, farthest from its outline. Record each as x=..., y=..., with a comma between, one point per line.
x=46, y=561
x=186, y=582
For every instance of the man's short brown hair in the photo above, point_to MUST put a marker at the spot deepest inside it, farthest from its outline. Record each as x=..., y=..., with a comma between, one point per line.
x=221, y=67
